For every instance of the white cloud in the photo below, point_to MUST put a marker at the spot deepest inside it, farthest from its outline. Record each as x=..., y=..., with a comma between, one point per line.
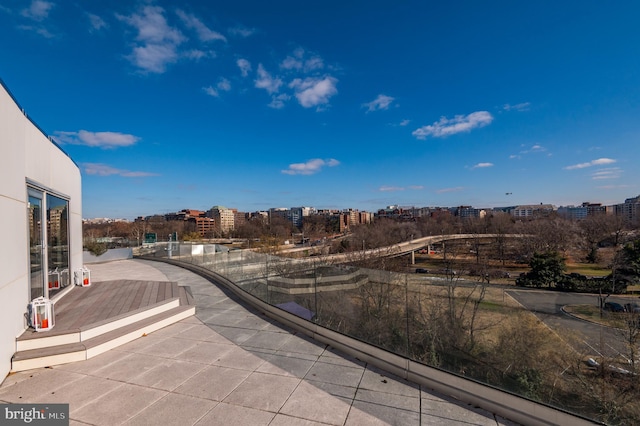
x=607, y=173
x=445, y=190
x=204, y=33
x=310, y=167
x=38, y=30
x=158, y=42
x=451, y=126
x=614, y=186
x=38, y=10
x=105, y=140
x=266, y=81
x=390, y=188
x=242, y=31
x=97, y=23
x=598, y=162
x=381, y=102
x=482, y=165
x=386, y=188
x=524, y=106
x=534, y=149
x=245, y=66
x=300, y=61
x=99, y=169
x=277, y=101
x=222, y=85
x=312, y=91
x=198, y=54
x=405, y=122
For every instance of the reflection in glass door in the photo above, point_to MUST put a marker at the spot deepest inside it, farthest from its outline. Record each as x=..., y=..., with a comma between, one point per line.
x=36, y=247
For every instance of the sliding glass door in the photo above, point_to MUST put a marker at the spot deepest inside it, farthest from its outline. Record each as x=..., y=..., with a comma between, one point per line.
x=48, y=243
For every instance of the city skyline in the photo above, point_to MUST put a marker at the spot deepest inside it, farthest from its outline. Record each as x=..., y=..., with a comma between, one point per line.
x=165, y=105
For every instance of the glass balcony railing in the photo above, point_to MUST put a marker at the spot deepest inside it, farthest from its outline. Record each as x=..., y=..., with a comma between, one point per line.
x=468, y=328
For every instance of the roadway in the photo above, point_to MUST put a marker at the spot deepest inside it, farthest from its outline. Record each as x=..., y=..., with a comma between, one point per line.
x=590, y=338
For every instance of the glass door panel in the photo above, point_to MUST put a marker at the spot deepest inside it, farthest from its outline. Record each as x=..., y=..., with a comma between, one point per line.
x=57, y=243
x=36, y=247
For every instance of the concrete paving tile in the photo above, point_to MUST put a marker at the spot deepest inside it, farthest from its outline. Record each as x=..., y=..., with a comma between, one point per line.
x=378, y=380
x=332, y=356
x=284, y=420
x=239, y=358
x=311, y=403
x=190, y=320
x=168, y=374
x=218, y=317
x=233, y=334
x=336, y=374
x=263, y=392
x=97, y=362
x=172, y=330
x=206, y=352
x=343, y=392
x=140, y=343
x=173, y=410
x=260, y=352
x=409, y=403
x=454, y=411
x=81, y=392
x=125, y=270
x=37, y=387
x=285, y=366
x=169, y=347
x=365, y=413
x=214, y=383
x=132, y=366
x=267, y=340
x=202, y=333
x=118, y=405
x=304, y=344
x=252, y=323
x=300, y=355
x=233, y=415
x=20, y=376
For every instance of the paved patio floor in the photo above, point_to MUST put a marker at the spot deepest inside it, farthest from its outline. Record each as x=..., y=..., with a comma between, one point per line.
x=228, y=365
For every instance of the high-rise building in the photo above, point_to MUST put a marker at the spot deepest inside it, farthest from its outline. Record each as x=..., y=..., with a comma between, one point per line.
x=224, y=218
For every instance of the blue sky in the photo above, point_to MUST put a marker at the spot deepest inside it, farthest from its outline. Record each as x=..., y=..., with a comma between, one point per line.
x=333, y=104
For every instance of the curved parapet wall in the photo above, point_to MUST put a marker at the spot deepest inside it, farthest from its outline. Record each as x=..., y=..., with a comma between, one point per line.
x=29, y=157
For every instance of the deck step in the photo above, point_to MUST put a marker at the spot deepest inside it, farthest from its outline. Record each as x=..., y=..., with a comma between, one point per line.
x=63, y=354
x=37, y=350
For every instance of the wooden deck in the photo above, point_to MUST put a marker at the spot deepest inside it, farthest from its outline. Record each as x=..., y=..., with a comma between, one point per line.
x=101, y=302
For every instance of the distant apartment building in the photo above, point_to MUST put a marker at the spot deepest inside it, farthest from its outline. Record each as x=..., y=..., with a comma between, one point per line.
x=396, y=212
x=224, y=218
x=258, y=215
x=278, y=212
x=585, y=210
x=468, y=212
x=349, y=218
x=630, y=210
x=573, y=212
x=295, y=214
x=205, y=226
x=532, y=210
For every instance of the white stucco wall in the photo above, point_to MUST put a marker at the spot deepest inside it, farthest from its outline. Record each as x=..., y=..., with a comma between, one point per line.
x=27, y=154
